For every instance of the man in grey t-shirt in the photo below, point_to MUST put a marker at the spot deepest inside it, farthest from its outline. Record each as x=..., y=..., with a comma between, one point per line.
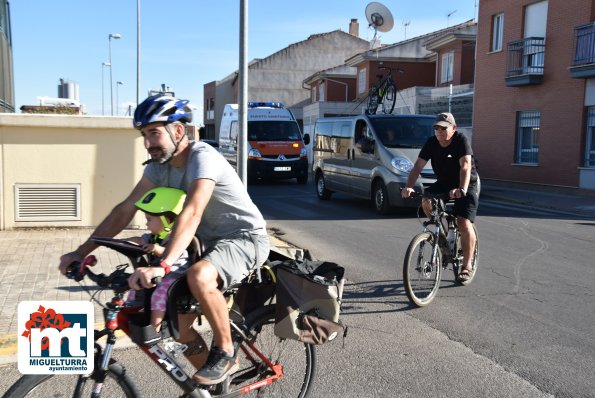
x=217, y=207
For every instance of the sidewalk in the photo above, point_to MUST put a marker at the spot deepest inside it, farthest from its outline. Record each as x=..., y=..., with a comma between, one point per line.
x=29, y=271
x=569, y=201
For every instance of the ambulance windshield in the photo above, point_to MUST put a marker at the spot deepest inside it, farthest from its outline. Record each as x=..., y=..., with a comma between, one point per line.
x=275, y=130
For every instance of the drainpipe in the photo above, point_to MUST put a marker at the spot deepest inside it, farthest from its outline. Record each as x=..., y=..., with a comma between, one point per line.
x=437, y=69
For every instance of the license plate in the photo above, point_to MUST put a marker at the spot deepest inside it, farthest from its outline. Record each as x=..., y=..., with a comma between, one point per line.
x=282, y=168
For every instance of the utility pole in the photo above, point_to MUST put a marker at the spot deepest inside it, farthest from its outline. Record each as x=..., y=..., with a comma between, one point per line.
x=242, y=160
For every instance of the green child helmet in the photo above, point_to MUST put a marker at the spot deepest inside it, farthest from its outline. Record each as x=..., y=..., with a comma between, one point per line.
x=164, y=202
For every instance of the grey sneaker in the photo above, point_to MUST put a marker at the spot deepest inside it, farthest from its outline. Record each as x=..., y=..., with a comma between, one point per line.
x=217, y=367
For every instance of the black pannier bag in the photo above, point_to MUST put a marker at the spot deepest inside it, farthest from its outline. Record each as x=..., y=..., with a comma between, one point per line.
x=308, y=300
x=252, y=295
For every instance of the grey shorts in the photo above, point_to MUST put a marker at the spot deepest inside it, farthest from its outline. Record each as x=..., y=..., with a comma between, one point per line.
x=235, y=256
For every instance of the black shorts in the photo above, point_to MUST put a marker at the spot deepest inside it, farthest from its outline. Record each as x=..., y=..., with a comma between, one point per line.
x=465, y=207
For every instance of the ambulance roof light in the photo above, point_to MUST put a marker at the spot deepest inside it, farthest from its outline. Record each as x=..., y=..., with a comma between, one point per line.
x=265, y=104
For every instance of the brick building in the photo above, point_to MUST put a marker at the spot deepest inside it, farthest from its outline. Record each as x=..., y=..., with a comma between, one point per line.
x=437, y=75
x=279, y=76
x=534, y=109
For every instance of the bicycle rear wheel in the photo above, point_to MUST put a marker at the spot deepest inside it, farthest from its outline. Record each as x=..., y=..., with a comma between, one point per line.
x=475, y=259
x=389, y=98
x=117, y=384
x=298, y=360
x=421, y=273
x=373, y=101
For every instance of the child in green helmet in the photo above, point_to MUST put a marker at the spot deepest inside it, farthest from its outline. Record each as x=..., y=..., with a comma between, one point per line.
x=161, y=206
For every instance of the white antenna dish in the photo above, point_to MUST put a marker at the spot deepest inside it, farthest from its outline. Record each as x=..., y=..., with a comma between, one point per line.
x=379, y=17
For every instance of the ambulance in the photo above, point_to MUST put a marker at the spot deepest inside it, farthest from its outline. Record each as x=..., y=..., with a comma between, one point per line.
x=276, y=148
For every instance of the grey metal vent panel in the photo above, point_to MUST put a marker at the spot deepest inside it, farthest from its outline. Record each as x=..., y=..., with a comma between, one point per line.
x=47, y=202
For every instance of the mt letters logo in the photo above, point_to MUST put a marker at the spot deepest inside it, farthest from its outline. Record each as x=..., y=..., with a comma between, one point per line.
x=56, y=337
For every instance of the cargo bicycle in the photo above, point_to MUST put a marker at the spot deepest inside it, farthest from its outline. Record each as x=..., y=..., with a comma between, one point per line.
x=433, y=250
x=269, y=365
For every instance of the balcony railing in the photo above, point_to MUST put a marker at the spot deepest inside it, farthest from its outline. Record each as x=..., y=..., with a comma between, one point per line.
x=583, y=62
x=525, y=61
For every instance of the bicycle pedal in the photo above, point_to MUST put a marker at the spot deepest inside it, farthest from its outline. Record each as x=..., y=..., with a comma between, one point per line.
x=172, y=347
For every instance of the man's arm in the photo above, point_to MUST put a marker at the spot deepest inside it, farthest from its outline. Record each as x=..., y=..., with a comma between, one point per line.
x=413, y=176
x=465, y=173
x=464, y=177
x=115, y=222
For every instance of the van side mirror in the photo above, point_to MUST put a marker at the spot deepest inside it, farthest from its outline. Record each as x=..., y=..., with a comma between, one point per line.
x=306, y=138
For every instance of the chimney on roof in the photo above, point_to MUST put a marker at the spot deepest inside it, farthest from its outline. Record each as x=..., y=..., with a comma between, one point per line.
x=354, y=27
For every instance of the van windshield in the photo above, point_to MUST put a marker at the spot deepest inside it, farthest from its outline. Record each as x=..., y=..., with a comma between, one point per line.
x=403, y=132
x=275, y=130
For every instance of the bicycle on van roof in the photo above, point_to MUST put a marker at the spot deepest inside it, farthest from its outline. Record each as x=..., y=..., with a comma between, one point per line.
x=383, y=93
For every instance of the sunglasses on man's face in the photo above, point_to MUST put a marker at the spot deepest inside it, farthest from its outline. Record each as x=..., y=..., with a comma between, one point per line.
x=439, y=128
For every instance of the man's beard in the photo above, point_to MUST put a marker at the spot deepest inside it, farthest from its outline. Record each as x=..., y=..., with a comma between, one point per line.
x=167, y=154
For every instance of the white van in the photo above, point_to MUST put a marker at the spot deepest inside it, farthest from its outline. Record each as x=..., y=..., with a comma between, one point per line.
x=276, y=148
x=370, y=156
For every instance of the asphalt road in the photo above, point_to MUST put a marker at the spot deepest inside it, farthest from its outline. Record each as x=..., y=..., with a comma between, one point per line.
x=522, y=329
x=530, y=311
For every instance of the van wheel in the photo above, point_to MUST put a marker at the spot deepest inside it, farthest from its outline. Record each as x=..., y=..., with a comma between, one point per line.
x=380, y=198
x=321, y=191
x=302, y=179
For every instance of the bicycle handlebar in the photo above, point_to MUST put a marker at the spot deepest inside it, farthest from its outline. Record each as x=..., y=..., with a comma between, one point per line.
x=116, y=281
x=444, y=196
x=392, y=69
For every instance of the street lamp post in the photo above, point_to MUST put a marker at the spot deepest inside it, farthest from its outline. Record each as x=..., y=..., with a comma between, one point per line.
x=103, y=65
x=111, y=84
x=137, y=51
x=118, y=83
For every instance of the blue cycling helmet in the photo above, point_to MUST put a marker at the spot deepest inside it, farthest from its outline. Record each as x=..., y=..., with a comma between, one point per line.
x=161, y=108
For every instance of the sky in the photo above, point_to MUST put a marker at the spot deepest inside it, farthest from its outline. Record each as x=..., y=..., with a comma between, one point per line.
x=183, y=45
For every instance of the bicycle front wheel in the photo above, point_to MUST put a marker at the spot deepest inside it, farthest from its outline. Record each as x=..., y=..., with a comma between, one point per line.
x=298, y=360
x=373, y=100
x=117, y=384
x=390, y=96
x=421, y=272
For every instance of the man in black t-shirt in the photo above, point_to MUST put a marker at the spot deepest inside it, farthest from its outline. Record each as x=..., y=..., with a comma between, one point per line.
x=453, y=164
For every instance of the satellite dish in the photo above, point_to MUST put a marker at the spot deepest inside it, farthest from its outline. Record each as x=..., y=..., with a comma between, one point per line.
x=379, y=17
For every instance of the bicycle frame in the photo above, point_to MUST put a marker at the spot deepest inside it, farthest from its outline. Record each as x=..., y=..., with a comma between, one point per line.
x=382, y=84
x=117, y=316
x=442, y=221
